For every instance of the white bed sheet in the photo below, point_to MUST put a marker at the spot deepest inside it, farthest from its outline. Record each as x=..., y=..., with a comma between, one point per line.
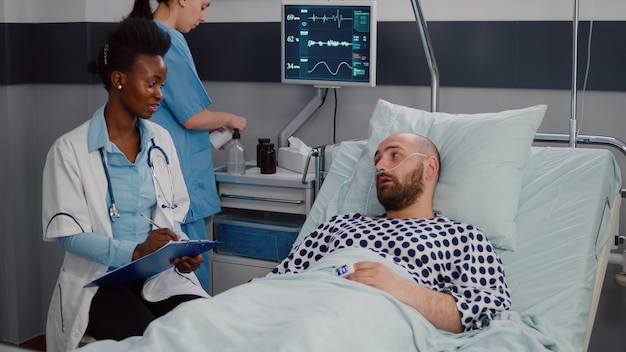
x=562, y=221
x=318, y=312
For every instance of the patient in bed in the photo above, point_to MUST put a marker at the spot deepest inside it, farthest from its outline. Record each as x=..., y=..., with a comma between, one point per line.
x=458, y=278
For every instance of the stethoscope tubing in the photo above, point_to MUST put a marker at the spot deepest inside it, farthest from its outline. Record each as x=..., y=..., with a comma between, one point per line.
x=114, y=213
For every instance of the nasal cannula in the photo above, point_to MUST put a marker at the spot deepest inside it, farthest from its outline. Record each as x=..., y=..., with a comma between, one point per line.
x=382, y=171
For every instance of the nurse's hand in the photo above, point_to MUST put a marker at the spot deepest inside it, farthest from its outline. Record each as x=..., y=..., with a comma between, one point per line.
x=188, y=264
x=236, y=121
x=156, y=239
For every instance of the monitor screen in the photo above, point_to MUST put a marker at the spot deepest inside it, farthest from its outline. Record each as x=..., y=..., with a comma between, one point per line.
x=329, y=43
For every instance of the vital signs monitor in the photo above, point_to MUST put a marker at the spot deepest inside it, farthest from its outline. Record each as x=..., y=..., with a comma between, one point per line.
x=329, y=43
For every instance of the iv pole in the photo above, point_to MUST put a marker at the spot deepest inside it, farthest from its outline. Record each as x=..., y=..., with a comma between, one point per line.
x=430, y=55
x=572, y=121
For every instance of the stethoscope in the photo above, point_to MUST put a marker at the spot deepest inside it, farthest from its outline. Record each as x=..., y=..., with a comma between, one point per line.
x=114, y=213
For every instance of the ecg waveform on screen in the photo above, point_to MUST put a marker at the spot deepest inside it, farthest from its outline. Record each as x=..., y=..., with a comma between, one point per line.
x=328, y=68
x=325, y=18
x=329, y=43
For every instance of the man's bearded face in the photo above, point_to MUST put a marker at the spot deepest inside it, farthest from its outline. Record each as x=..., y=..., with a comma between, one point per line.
x=395, y=194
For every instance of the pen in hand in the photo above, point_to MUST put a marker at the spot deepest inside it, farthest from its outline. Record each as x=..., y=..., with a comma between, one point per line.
x=151, y=221
x=175, y=261
x=176, y=236
x=173, y=236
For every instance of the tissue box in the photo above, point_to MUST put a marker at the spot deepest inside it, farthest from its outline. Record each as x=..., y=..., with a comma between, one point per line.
x=294, y=160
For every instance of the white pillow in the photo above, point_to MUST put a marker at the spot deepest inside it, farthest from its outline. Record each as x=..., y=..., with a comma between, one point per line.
x=482, y=156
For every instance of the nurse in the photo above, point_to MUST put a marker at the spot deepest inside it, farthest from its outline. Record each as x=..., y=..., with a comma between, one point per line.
x=185, y=114
x=100, y=197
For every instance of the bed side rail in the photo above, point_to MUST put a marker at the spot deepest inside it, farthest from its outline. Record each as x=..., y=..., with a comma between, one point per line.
x=614, y=258
x=585, y=139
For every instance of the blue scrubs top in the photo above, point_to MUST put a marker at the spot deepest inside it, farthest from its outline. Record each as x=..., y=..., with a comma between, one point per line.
x=184, y=96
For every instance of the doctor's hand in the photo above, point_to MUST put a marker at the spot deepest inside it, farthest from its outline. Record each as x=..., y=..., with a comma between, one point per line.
x=188, y=264
x=156, y=239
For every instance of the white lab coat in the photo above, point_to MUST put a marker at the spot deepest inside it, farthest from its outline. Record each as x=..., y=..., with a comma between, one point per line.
x=74, y=183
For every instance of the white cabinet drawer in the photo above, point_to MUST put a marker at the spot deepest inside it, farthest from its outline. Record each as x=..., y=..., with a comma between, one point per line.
x=230, y=271
x=267, y=198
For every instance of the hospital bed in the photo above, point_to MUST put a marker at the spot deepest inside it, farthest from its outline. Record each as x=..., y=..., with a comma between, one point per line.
x=565, y=215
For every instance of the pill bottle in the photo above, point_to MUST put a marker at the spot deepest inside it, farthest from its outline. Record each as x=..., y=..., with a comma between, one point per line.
x=259, y=148
x=268, y=159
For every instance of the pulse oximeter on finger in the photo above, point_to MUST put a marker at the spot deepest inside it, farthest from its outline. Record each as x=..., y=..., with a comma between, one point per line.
x=344, y=270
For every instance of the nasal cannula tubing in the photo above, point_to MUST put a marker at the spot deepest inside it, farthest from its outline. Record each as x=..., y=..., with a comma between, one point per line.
x=382, y=171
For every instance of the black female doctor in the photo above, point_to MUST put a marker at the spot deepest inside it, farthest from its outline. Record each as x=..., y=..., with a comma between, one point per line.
x=113, y=192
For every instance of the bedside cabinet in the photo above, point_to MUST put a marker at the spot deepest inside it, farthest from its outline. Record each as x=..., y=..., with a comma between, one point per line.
x=261, y=217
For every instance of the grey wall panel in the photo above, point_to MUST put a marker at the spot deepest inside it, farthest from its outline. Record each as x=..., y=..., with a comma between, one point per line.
x=19, y=43
x=21, y=211
x=545, y=55
x=476, y=54
x=3, y=54
x=608, y=56
x=239, y=52
x=487, y=54
x=59, y=53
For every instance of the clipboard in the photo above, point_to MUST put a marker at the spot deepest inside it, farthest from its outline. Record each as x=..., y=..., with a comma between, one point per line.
x=153, y=263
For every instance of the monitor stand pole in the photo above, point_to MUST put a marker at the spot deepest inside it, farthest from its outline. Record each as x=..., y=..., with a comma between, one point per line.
x=307, y=111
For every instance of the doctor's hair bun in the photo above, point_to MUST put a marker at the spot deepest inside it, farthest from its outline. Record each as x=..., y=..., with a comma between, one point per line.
x=131, y=37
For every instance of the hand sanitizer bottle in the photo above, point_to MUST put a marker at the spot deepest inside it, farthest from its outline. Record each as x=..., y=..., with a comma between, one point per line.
x=236, y=162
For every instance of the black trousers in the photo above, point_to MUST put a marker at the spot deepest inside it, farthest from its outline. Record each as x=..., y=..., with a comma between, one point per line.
x=118, y=312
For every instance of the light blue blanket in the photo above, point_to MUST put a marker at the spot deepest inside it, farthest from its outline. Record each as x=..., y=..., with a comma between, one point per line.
x=315, y=311
x=563, y=221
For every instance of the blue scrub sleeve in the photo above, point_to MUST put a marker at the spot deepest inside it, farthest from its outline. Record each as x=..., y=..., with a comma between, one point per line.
x=102, y=249
x=183, y=93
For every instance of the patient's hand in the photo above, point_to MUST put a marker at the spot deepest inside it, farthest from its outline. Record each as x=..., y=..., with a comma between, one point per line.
x=380, y=276
x=438, y=307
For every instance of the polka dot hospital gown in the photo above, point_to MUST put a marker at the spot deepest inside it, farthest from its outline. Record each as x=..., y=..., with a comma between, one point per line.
x=439, y=253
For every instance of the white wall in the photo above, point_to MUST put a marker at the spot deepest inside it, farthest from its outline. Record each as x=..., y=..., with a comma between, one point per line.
x=43, y=11
x=438, y=10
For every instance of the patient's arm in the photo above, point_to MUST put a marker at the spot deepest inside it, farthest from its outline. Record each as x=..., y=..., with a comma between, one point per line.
x=439, y=308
